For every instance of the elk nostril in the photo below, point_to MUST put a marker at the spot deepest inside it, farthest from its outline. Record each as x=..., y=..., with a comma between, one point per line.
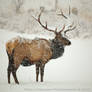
x=69, y=43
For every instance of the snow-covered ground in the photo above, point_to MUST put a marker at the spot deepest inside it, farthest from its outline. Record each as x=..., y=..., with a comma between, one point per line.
x=70, y=73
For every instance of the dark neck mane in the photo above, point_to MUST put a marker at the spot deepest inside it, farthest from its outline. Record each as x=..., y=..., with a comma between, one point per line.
x=57, y=49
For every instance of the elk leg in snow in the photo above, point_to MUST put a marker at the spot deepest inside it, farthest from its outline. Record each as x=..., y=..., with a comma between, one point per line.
x=9, y=69
x=37, y=72
x=15, y=77
x=42, y=71
x=8, y=73
x=12, y=70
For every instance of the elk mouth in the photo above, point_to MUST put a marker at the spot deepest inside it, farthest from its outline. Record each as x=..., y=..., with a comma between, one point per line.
x=67, y=43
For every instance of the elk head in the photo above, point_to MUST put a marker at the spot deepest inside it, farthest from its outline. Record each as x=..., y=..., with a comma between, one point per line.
x=58, y=35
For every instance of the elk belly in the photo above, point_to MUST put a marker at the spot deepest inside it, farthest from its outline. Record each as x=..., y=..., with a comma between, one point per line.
x=26, y=62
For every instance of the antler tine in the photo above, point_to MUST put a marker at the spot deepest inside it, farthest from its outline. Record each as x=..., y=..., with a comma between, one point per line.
x=62, y=14
x=44, y=26
x=62, y=29
x=40, y=21
x=71, y=25
x=69, y=10
x=70, y=29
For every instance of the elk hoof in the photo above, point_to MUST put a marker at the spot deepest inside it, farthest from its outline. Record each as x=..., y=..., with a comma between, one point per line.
x=17, y=82
x=41, y=80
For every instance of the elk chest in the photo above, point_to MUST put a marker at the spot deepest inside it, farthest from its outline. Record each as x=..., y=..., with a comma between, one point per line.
x=57, y=49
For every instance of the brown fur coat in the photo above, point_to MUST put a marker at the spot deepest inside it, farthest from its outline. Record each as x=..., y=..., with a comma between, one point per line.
x=35, y=50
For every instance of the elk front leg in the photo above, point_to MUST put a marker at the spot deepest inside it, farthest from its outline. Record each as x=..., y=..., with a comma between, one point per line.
x=42, y=71
x=37, y=72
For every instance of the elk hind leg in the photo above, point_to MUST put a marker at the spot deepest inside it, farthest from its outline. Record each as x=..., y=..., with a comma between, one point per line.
x=9, y=70
x=12, y=69
x=14, y=75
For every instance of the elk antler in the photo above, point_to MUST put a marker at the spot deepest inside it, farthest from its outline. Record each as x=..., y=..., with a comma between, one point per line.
x=69, y=10
x=62, y=14
x=70, y=28
x=62, y=29
x=44, y=26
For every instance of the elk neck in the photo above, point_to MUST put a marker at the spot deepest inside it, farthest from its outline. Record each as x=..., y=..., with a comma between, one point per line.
x=57, y=49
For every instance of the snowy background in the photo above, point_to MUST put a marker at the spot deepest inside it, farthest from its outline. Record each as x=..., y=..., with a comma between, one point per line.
x=69, y=73
x=16, y=15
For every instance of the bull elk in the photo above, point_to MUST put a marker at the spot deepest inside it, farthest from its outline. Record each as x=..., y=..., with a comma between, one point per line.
x=37, y=51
